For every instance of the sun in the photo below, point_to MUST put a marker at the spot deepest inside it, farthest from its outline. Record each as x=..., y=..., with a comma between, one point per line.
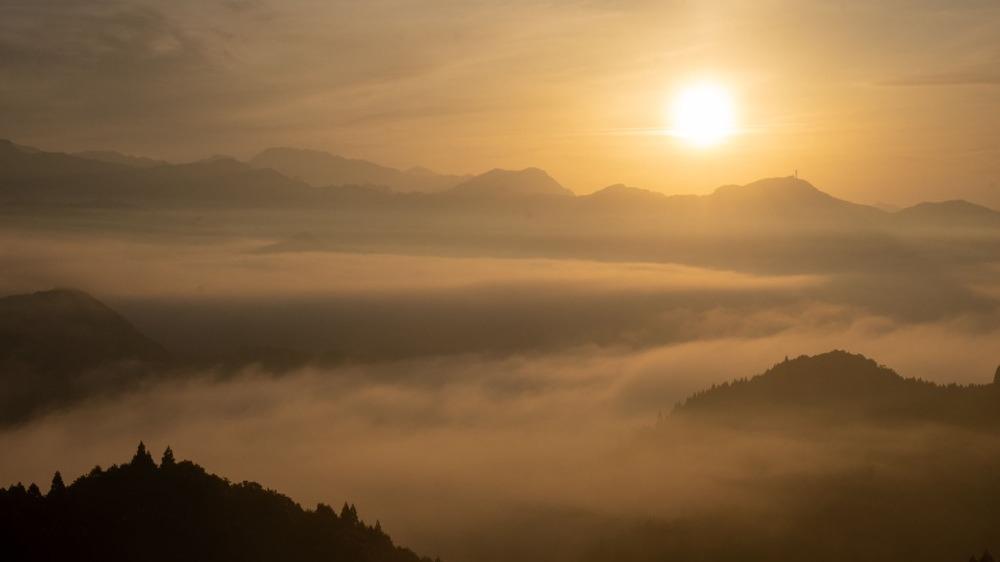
x=703, y=115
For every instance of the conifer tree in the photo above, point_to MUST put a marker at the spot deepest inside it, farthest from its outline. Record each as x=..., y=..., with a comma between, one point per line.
x=142, y=458
x=168, y=458
x=349, y=513
x=57, y=487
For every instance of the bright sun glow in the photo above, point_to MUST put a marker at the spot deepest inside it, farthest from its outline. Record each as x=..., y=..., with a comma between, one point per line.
x=703, y=115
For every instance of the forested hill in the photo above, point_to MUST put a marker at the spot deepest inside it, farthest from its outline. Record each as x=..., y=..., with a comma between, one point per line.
x=177, y=512
x=61, y=346
x=843, y=388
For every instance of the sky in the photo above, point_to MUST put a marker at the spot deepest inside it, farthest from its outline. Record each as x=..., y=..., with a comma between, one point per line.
x=879, y=102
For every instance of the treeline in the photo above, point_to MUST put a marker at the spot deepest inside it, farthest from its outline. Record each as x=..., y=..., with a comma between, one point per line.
x=177, y=511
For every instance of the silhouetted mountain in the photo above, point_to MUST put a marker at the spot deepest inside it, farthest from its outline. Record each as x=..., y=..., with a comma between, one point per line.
x=778, y=225
x=788, y=199
x=499, y=183
x=782, y=191
x=219, y=181
x=60, y=179
x=320, y=169
x=46, y=178
x=620, y=191
x=39, y=178
x=844, y=388
x=948, y=214
x=624, y=195
x=19, y=164
x=61, y=345
x=83, y=330
x=178, y=511
x=113, y=157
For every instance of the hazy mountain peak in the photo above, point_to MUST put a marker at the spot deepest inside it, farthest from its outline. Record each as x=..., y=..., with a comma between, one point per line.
x=500, y=183
x=219, y=158
x=305, y=160
x=319, y=168
x=791, y=200
x=954, y=213
x=952, y=206
x=210, y=167
x=288, y=150
x=114, y=157
x=622, y=190
x=420, y=171
x=781, y=186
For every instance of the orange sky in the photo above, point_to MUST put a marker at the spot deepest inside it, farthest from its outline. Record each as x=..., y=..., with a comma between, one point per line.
x=894, y=101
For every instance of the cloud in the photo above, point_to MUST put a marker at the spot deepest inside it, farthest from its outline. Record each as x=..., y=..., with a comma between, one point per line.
x=492, y=445
x=510, y=398
x=106, y=37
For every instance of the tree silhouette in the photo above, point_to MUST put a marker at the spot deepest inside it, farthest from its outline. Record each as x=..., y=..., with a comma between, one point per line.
x=142, y=458
x=168, y=458
x=349, y=513
x=57, y=487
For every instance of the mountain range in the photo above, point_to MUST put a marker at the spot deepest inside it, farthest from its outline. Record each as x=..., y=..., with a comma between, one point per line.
x=114, y=157
x=320, y=169
x=299, y=178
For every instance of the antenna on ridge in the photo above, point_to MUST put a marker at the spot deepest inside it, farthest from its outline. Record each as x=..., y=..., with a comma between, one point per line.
x=796, y=173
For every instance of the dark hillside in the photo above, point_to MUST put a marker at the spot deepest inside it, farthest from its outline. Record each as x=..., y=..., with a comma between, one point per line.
x=840, y=387
x=178, y=511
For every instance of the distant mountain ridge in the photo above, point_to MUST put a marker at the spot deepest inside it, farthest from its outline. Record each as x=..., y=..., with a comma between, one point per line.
x=113, y=157
x=19, y=163
x=622, y=192
x=178, y=511
x=955, y=213
x=38, y=178
x=56, y=179
x=529, y=182
x=784, y=192
x=320, y=169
